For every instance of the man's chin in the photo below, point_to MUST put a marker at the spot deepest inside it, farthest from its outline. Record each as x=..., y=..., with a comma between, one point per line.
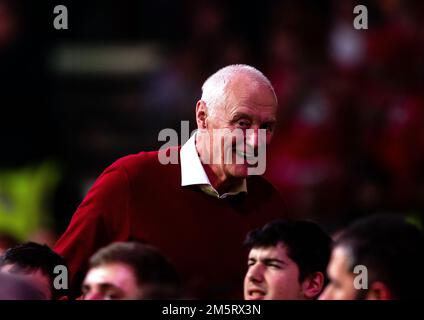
x=256, y=298
x=255, y=295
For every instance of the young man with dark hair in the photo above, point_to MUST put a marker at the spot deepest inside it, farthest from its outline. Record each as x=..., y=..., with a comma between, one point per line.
x=36, y=263
x=377, y=258
x=130, y=271
x=287, y=261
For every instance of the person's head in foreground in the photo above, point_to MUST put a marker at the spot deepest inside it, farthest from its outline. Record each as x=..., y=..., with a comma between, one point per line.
x=130, y=271
x=13, y=287
x=237, y=101
x=287, y=261
x=377, y=258
x=37, y=264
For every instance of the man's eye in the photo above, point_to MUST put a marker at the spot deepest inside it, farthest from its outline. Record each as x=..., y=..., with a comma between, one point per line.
x=243, y=123
x=268, y=127
x=111, y=296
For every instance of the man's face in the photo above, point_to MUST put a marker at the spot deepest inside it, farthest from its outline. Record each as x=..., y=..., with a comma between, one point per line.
x=272, y=275
x=341, y=286
x=115, y=281
x=37, y=278
x=250, y=105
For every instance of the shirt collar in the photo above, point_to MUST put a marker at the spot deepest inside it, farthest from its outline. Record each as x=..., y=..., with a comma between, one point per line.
x=193, y=173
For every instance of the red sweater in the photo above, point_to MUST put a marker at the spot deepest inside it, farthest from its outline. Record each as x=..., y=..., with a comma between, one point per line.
x=137, y=198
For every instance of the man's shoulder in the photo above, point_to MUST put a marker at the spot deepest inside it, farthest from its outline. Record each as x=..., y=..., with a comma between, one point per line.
x=147, y=160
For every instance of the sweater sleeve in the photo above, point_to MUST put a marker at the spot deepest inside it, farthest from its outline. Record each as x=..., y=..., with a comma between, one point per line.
x=95, y=222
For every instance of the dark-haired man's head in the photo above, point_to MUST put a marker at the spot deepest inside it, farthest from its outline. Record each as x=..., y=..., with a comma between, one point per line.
x=13, y=287
x=130, y=271
x=379, y=257
x=36, y=263
x=287, y=261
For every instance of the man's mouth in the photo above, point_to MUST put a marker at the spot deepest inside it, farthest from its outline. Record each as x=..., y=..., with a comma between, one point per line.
x=256, y=294
x=246, y=156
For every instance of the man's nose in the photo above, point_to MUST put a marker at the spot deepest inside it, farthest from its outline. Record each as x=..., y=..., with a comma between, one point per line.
x=93, y=295
x=256, y=273
x=252, y=139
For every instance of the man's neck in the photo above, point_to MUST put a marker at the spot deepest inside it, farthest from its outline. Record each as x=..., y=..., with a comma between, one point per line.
x=221, y=183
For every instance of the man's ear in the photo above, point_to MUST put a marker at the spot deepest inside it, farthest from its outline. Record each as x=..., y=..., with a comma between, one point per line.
x=201, y=114
x=379, y=291
x=312, y=285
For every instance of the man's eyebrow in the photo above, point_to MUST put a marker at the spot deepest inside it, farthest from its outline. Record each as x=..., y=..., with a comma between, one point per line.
x=273, y=260
x=240, y=115
x=271, y=121
x=107, y=286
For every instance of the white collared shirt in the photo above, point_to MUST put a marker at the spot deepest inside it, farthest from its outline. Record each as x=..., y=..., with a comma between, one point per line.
x=193, y=173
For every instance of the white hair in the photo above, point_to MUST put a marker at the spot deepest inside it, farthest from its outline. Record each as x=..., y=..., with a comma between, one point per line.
x=214, y=89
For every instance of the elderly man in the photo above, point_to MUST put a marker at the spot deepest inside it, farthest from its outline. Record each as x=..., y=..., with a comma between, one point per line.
x=195, y=212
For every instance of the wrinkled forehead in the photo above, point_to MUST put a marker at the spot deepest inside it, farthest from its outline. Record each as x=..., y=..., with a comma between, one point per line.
x=279, y=251
x=114, y=273
x=255, y=102
x=249, y=89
